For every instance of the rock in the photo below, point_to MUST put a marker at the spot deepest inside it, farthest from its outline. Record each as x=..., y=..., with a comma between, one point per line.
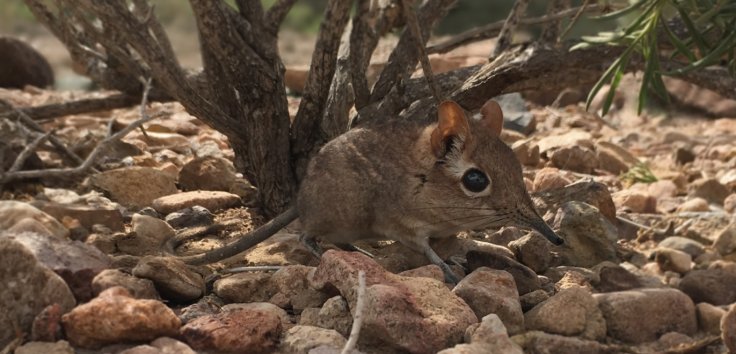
x=148, y=236
x=534, y=298
x=434, y=319
x=28, y=288
x=638, y=316
x=574, y=158
x=728, y=329
x=710, y=190
x=612, y=277
x=725, y=242
x=635, y=201
x=137, y=287
x=571, y=138
x=516, y=115
x=693, y=205
x=534, y=251
x=729, y=204
x=586, y=191
x=573, y=279
x=207, y=305
x=163, y=345
x=673, y=260
x=589, y=237
x=536, y=342
x=134, y=187
x=77, y=263
x=301, y=339
x=46, y=325
x=505, y=235
x=714, y=286
x=60, y=347
x=663, y=188
x=173, y=279
x=683, y=155
x=207, y=173
x=570, y=312
x=429, y=271
x=188, y=217
x=527, y=152
x=525, y=279
x=242, y=331
x=245, y=287
x=613, y=158
x=86, y=215
x=13, y=212
x=106, y=243
x=488, y=336
x=709, y=318
x=689, y=246
x=488, y=291
x=114, y=316
x=334, y=314
x=23, y=65
x=211, y=200
x=264, y=307
x=293, y=290
x=549, y=178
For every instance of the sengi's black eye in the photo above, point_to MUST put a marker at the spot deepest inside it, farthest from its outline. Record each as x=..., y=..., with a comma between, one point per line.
x=475, y=180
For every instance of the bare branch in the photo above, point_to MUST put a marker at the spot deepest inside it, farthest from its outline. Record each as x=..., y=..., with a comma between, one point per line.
x=277, y=13
x=551, y=30
x=85, y=105
x=251, y=10
x=357, y=316
x=306, y=130
x=27, y=151
x=491, y=30
x=88, y=162
x=404, y=57
x=509, y=27
x=413, y=25
x=586, y=5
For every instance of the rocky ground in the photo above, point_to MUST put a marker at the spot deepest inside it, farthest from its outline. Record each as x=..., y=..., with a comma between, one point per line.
x=645, y=202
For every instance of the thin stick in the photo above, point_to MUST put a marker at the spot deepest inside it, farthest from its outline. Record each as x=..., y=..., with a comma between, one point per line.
x=509, y=26
x=27, y=151
x=251, y=269
x=413, y=24
x=573, y=20
x=87, y=163
x=358, y=316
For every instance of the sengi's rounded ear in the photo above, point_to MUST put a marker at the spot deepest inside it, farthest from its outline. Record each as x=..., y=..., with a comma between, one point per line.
x=492, y=117
x=451, y=124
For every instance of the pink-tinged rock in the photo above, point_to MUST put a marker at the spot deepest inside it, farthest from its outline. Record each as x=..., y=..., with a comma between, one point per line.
x=208, y=173
x=293, y=290
x=47, y=324
x=115, y=317
x=489, y=291
x=76, y=262
x=138, y=288
x=417, y=315
x=613, y=158
x=245, y=287
x=728, y=329
x=13, y=213
x=638, y=316
x=302, y=339
x=663, y=188
x=211, y=200
x=429, y=271
x=635, y=201
x=240, y=331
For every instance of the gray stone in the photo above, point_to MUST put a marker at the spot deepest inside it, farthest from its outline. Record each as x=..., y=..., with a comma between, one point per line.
x=525, y=279
x=302, y=339
x=489, y=291
x=138, y=288
x=570, y=312
x=148, y=236
x=207, y=173
x=728, y=329
x=14, y=212
x=589, y=237
x=534, y=251
x=194, y=216
x=536, y=342
x=692, y=247
x=173, y=279
x=714, y=286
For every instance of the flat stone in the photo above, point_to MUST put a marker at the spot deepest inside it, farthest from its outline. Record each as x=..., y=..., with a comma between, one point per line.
x=60, y=347
x=173, y=279
x=245, y=287
x=208, y=173
x=134, y=187
x=86, y=215
x=138, y=288
x=241, y=331
x=570, y=312
x=148, y=236
x=212, y=200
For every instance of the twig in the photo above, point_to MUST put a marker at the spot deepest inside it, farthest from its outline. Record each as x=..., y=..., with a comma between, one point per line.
x=413, y=24
x=551, y=30
x=574, y=20
x=357, y=316
x=88, y=162
x=235, y=270
x=28, y=122
x=27, y=151
x=509, y=26
x=492, y=29
x=85, y=105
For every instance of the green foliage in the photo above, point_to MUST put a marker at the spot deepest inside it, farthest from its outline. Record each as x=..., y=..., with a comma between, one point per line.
x=710, y=39
x=638, y=173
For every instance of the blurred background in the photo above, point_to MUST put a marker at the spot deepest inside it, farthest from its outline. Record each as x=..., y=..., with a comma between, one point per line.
x=297, y=36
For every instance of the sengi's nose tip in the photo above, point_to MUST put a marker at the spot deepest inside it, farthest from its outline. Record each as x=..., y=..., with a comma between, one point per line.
x=546, y=231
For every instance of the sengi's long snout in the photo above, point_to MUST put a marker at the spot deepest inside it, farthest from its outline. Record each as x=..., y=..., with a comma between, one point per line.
x=540, y=226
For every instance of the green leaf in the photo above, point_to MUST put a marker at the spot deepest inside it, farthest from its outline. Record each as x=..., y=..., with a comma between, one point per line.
x=695, y=35
x=679, y=45
x=623, y=12
x=714, y=56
